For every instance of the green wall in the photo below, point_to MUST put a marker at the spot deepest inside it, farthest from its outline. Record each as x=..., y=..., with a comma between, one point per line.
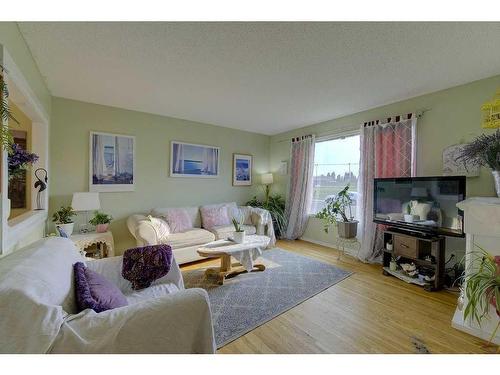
x=453, y=116
x=11, y=38
x=72, y=122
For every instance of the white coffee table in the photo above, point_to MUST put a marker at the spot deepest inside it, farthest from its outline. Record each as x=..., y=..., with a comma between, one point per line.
x=246, y=253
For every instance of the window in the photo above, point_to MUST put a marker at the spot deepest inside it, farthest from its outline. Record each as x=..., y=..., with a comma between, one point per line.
x=336, y=164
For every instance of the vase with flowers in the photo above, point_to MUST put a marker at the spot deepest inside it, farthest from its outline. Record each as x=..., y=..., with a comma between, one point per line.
x=484, y=151
x=19, y=160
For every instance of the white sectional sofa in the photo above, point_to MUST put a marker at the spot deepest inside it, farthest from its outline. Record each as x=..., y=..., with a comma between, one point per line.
x=39, y=309
x=185, y=243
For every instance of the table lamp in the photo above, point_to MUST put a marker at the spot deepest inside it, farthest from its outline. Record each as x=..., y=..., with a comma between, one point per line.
x=85, y=202
x=267, y=180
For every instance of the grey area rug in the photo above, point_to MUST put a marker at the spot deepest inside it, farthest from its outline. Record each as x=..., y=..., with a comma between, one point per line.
x=251, y=299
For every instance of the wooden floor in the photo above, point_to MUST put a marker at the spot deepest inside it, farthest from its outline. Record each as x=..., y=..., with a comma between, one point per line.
x=365, y=313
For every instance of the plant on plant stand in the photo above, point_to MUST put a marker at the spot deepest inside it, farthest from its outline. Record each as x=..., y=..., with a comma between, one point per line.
x=101, y=221
x=239, y=232
x=482, y=287
x=62, y=219
x=484, y=151
x=335, y=213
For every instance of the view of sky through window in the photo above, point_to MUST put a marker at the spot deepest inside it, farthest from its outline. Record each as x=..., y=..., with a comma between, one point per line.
x=336, y=164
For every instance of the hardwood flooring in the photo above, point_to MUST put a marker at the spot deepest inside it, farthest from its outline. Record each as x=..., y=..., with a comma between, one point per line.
x=365, y=313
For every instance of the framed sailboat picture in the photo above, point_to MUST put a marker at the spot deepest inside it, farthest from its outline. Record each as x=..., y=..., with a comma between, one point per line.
x=242, y=170
x=112, y=162
x=192, y=160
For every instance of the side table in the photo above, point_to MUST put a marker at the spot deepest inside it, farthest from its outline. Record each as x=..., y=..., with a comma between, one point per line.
x=85, y=240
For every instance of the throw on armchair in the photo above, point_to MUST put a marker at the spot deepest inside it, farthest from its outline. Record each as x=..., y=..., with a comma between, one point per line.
x=39, y=312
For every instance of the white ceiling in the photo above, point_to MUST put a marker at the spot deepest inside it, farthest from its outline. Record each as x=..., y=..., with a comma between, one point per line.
x=260, y=77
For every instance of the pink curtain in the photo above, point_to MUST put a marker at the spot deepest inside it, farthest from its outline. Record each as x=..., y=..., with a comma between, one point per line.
x=387, y=150
x=300, y=188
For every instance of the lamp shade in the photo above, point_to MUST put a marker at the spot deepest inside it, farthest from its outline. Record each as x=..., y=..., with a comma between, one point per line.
x=267, y=179
x=85, y=201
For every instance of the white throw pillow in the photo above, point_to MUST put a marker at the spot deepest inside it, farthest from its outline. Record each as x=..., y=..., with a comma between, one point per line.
x=160, y=226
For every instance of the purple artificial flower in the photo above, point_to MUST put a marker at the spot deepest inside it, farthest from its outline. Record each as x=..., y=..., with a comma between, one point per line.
x=20, y=159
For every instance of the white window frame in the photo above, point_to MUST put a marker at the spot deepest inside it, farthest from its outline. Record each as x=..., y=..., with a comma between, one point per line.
x=332, y=137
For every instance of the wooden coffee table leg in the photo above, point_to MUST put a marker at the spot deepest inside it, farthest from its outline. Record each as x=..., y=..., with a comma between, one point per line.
x=228, y=269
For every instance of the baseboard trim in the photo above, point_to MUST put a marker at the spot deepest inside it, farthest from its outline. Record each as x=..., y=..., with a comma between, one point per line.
x=349, y=251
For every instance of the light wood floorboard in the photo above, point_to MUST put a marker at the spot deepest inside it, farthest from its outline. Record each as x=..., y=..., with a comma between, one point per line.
x=365, y=313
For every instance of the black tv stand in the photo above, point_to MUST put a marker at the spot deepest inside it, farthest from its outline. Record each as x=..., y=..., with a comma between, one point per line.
x=425, y=250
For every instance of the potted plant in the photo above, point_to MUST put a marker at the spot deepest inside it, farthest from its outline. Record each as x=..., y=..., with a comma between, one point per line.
x=408, y=216
x=482, y=288
x=275, y=204
x=62, y=219
x=239, y=232
x=484, y=151
x=5, y=114
x=335, y=209
x=101, y=221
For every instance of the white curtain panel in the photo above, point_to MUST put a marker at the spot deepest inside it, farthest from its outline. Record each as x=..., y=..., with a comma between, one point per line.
x=387, y=149
x=300, y=189
x=98, y=155
x=366, y=227
x=179, y=158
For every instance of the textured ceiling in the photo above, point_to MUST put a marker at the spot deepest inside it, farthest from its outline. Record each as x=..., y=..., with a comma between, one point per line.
x=260, y=77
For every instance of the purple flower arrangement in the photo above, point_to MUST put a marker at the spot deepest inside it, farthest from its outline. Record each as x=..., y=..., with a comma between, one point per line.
x=20, y=160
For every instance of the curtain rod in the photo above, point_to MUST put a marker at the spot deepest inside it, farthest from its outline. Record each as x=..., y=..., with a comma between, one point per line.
x=419, y=114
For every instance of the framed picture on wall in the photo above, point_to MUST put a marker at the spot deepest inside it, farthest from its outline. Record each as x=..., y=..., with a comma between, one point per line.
x=242, y=170
x=192, y=160
x=112, y=162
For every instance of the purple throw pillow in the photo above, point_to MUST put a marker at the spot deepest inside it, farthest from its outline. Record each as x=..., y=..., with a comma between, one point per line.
x=143, y=265
x=94, y=291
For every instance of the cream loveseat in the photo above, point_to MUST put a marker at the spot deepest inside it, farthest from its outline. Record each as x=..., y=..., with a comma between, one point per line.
x=39, y=310
x=185, y=243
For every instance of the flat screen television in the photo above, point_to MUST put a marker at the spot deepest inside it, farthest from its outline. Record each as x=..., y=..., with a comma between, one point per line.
x=421, y=204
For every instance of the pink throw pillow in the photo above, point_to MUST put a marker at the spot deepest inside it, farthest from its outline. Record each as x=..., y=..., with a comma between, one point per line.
x=214, y=216
x=178, y=220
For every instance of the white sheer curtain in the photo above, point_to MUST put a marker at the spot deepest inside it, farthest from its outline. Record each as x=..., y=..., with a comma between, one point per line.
x=300, y=188
x=210, y=156
x=179, y=158
x=387, y=149
x=98, y=156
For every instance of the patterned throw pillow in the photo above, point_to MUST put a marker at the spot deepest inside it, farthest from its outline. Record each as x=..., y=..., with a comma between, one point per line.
x=94, y=291
x=178, y=220
x=143, y=265
x=214, y=216
x=160, y=226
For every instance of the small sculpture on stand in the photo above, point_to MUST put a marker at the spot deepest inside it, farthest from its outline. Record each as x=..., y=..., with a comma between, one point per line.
x=41, y=185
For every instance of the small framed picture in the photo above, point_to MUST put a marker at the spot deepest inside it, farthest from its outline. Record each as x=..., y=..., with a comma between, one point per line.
x=283, y=169
x=242, y=170
x=112, y=162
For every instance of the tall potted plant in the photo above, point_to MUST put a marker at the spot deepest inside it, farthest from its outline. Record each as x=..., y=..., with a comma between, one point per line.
x=482, y=287
x=62, y=219
x=484, y=151
x=6, y=138
x=335, y=213
x=275, y=204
